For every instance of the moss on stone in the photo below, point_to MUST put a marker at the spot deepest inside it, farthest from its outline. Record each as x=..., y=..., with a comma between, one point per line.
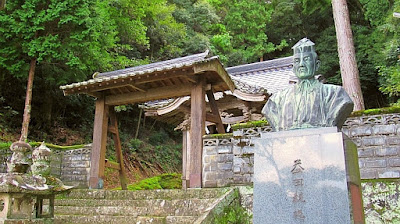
x=163, y=181
x=384, y=110
x=250, y=124
x=381, y=180
x=219, y=136
x=6, y=146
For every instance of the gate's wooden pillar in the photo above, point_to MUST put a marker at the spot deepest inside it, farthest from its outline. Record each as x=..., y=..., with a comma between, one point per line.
x=185, y=158
x=97, y=157
x=118, y=149
x=197, y=130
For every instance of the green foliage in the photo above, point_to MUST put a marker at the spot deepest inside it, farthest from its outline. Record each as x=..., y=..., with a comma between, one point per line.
x=242, y=35
x=386, y=38
x=73, y=34
x=156, y=150
x=6, y=146
x=385, y=110
x=163, y=181
x=250, y=124
x=220, y=136
x=234, y=214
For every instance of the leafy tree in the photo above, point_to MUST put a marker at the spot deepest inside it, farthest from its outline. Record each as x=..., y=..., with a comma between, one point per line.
x=71, y=37
x=384, y=52
x=243, y=32
x=164, y=33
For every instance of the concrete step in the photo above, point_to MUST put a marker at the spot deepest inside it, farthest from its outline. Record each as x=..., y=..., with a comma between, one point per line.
x=73, y=219
x=146, y=194
x=148, y=206
x=142, y=207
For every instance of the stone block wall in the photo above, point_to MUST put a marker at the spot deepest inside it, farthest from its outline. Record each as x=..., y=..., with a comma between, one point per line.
x=229, y=160
x=75, y=167
x=71, y=166
x=378, y=141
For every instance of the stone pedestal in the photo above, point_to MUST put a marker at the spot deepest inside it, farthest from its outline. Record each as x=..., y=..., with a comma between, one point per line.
x=306, y=176
x=26, y=206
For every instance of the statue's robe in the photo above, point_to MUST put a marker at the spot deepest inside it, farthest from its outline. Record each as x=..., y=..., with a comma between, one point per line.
x=308, y=104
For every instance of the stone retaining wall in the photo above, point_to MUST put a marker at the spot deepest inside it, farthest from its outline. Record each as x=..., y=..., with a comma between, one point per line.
x=229, y=160
x=378, y=141
x=71, y=166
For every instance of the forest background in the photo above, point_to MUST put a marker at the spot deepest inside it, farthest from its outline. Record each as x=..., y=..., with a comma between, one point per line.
x=72, y=39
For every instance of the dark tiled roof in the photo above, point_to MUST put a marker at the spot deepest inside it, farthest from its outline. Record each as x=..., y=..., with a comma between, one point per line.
x=256, y=78
x=248, y=87
x=144, y=69
x=274, y=63
x=273, y=75
x=162, y=65
x=155, y=104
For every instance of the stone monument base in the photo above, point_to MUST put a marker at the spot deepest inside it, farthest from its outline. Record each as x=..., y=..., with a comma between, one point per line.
x=306, y=176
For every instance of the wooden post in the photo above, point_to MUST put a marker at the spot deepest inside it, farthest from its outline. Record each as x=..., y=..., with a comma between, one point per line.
x=185, y=153
x=97, y=157
x=197, y=130
x=118, y=149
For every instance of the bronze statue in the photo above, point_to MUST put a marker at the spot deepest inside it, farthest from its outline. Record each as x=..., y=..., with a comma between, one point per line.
x=309, y=103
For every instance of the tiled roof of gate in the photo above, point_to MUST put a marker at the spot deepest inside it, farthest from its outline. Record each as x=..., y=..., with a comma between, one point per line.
x=257, y=78
x=145, y=69
x=158, y=66
x=272, y=75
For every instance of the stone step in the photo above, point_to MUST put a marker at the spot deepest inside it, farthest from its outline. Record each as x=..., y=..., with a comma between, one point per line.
x=69, y=219
x=73, y=219
x=154, y=206
x=146, y=194
x=159, y=208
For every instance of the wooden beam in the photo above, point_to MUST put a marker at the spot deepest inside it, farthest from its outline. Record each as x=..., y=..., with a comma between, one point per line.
x=215, y=111
x=118, y=150
x=215, y=66
x=151, y=94
x=97, y=157
x=112, y=165
x=212, y=118
x=197, y=129
x=190, y=79
x=137, y=88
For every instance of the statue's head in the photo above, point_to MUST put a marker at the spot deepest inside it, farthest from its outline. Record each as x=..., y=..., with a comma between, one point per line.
x=305, y=59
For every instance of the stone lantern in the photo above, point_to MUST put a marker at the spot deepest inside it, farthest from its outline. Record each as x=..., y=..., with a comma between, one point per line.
x=24, y=196
x=41, y=161
x=20, y=159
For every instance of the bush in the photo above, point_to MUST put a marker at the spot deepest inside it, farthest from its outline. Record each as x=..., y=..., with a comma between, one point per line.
x=163, y=181
x=234, y=214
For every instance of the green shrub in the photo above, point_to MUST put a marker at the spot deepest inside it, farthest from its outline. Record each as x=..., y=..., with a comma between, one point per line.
x=250, y=124
x=163, y=181
x=171, y=181
x=158, y=137
x=384, y=110
x=234, y=214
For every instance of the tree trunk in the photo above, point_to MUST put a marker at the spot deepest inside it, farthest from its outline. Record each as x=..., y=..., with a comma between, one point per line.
x=138, y=124
x=28, y=102
x=2, y=4
x=347, y=58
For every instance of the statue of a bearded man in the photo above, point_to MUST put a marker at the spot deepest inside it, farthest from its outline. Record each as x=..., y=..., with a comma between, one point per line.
x=309, y=103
